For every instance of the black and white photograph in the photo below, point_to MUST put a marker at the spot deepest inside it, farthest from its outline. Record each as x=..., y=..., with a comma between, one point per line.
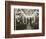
x=26, y=19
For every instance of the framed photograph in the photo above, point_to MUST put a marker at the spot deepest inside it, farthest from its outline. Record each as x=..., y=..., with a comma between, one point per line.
x=24, y=19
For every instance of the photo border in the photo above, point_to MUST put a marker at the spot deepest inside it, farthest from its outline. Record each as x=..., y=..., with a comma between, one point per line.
x=8, y=19
x=27, y=31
